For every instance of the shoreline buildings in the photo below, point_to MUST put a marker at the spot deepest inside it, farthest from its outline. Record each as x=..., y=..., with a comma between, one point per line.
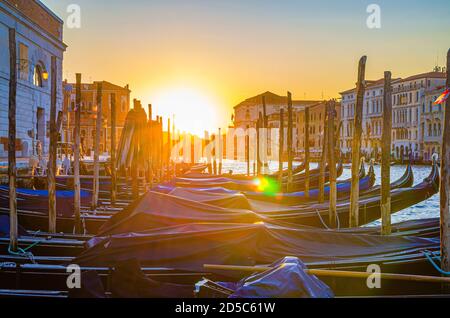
x=88, y=114
x=416, y=122
x=247, y=112
x=39, y=36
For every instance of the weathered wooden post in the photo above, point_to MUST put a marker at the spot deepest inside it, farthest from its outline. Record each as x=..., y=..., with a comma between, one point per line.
x=281, y=150
x=98, y=129
x=386, y=157
x=356, y=146
x=161, y=149
x=445, y=183
x=332, y=163
x=150, y=144
x=247, y=149
x=306, y=152
x=52, y=152
x=76, y=156
x=169, y=149
x=289, y=142
x=208, y=152
x=113, y=150
x=135, y=163
x=258, y=144
x=214, y=153
x=264, y=125
x=323, y=160
x=220, y=153
x=12, y=169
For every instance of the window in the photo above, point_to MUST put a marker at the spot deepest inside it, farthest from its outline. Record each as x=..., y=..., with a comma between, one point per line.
x=37, y=76
x=23, y=61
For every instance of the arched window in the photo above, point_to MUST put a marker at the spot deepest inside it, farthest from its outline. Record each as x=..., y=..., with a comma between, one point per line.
x=38, y=76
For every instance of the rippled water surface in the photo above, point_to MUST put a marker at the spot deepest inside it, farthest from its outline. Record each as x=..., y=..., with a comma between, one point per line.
x=423, y=210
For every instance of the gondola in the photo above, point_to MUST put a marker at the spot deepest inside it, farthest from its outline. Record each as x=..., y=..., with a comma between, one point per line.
x=251, y=185
x=156, y=209
x=196, y=175
x=245, y=244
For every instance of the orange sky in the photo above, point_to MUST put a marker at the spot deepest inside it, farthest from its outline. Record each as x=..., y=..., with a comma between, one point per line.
x=213, y=54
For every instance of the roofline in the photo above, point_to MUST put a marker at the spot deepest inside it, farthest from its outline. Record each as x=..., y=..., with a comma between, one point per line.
x=49, y=11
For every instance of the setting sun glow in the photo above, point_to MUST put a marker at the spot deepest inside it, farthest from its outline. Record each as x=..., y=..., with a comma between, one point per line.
x=195, y=111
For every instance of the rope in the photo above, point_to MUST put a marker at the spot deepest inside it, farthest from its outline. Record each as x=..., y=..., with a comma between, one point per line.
x=430, y=259
x=338, y=221
x=23, y=252
x=321, y=220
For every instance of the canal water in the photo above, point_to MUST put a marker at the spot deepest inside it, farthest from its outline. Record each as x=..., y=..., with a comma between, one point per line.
x=423, y=210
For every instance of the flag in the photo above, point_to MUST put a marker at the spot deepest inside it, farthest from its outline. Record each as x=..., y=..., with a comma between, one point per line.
x=443, y=98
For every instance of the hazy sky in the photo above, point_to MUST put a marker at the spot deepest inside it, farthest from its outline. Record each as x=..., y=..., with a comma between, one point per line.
x=216, y=53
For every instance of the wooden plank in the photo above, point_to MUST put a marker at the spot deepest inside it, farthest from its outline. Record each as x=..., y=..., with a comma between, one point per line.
x=356, y=146
x=76, y=156
x=98, y=129
x=52, y=151
x=12, y=168
x=113, y=150
x=386, y=156
x=281, y=149
x=290, y=142
x=306, y=152
x=445, y=183
x=335, y=273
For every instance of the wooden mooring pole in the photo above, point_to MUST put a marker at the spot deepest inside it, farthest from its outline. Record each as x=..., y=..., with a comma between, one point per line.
x=289, y=142
x=208, y=152
x=220, y=153
x=306, y=163
x=113, y=150
x=247, y=149
x=323, y=160
x=258, y=145
x=52, y=151
x=281, y=149
x=76, y=157
x=445, y=183
x=332, y=163
x=12, y=169
x=264, y=125
x=98, y=129
x=169, y=149
x=354, y=195
x=386, y=157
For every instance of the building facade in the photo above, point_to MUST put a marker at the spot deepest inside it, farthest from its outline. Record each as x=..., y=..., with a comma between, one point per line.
x=39, y=36
x=88, y=118
x=317, y=115
x=432, y=121
x=247, y=112
x=409, y=97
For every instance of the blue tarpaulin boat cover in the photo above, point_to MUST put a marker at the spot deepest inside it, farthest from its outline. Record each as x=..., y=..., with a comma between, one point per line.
x=287, y=279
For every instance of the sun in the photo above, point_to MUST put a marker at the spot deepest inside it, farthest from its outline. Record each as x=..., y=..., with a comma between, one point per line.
x=194, y=110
